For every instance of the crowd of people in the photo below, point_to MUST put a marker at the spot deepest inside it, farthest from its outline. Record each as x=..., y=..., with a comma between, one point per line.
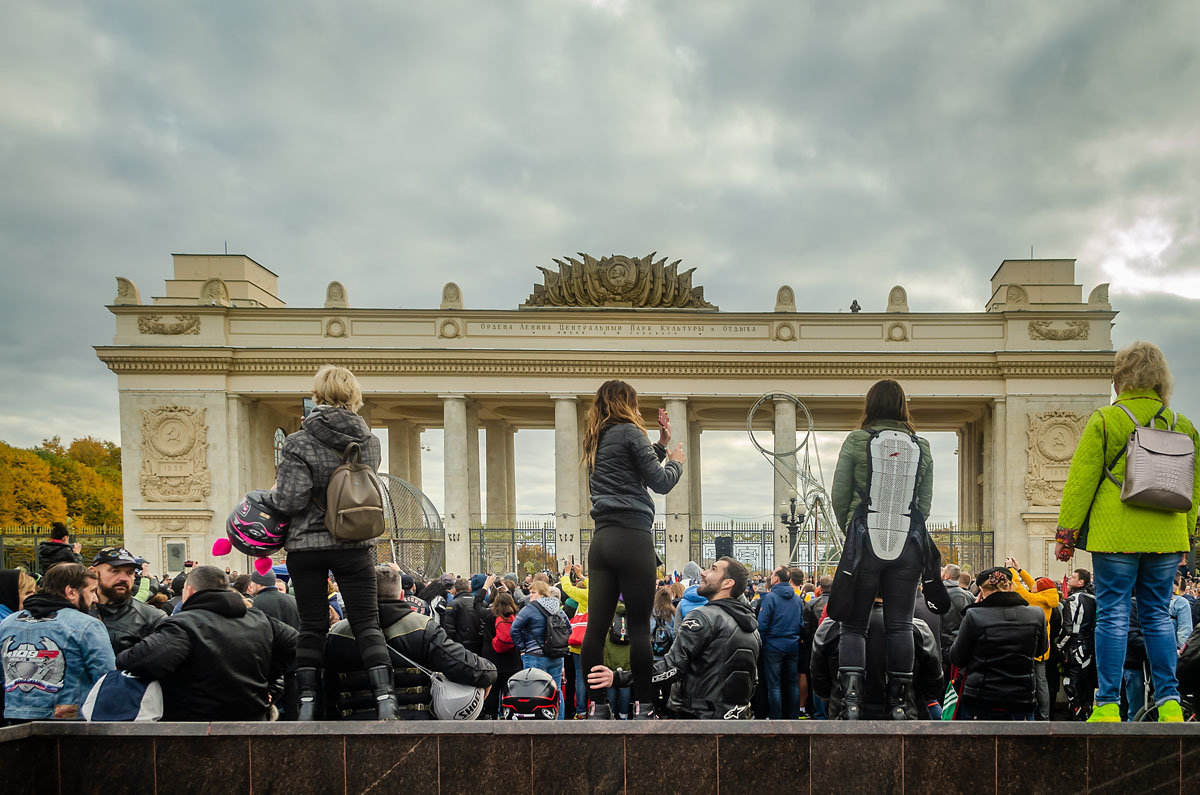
x=891, y=634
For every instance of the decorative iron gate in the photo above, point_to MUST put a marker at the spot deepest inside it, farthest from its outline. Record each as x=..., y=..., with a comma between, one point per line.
x=971, y=548
x=528, y=548
x=752, y=543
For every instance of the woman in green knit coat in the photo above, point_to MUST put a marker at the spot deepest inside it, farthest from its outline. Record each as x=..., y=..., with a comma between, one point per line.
x=1135, y=550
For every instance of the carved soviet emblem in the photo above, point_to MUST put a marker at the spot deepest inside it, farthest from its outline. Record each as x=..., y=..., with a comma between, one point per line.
x=174, y=455
x=1053, y=436
x=618, y=281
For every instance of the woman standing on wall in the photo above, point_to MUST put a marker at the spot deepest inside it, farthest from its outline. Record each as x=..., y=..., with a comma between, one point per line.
x=1136, y=546
x=882, y=492
x=621, y=464
x=309, y=457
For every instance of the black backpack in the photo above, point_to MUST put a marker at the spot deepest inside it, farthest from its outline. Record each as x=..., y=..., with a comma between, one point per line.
x=662, y=637
x=619, y=631
x=558, y=633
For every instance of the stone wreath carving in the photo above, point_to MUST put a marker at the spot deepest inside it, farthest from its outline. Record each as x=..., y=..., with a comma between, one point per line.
x=184, y=324
x=618, y=281
x=1042, y=330
x=174, y=455
x=1052, y=437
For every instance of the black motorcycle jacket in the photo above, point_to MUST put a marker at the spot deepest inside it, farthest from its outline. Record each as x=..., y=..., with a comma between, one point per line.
x=712, y=666
x=127, y=622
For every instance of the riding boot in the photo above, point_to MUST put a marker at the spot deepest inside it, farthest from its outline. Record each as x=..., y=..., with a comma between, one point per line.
x=599, y=710
x=642, y=710
x=309, y=683
x=380, y=678
x=851, y=681
x=897, y=695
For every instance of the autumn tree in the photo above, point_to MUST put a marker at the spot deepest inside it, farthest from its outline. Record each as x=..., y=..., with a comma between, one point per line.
x=91, y=498
x=27, y=495
x=532, y=558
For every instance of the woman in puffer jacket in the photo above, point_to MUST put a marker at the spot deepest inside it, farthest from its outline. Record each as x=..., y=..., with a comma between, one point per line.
x=621, y=465
x=529, y=635
x=1135, y=550
x=310, y=455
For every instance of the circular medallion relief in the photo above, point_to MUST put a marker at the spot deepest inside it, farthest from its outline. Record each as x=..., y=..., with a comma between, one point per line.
x=897, y=332
x=1058, y=440
x=335, y=328
x=173, y=437
x=450, y=329
x=785, y=332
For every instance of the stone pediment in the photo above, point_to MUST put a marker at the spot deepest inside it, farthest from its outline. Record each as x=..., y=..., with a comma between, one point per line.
x=617, y=281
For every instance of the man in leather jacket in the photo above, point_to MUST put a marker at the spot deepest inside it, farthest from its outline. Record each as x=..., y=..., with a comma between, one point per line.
x=127, y=620
x=216, y=659
x=712, y=664
x=923, y=699
x=463, y=620
x=417, y=637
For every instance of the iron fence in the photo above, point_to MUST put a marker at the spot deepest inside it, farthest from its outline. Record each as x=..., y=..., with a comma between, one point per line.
x=18, y=544
x=971, y=548
x=752, y=543
x=659, y=531
x=529, y=547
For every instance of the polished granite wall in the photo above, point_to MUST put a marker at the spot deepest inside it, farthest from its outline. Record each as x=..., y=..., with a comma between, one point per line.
x=695, y=757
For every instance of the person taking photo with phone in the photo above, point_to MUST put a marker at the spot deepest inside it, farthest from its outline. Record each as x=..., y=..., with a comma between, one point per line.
x=622, y=464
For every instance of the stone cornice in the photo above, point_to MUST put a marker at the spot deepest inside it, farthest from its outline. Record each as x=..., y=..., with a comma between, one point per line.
x=602, y=364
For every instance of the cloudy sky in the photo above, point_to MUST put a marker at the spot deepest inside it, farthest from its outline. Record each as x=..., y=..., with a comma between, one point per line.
x=837, y=147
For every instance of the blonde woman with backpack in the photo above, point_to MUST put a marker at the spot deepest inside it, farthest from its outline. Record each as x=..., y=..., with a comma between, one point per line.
x=1136, y=544
x=309, y=458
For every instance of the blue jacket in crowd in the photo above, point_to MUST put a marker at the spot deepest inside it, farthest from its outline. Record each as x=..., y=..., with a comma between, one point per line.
x=781, y=618
x=690, y=601
x=529, y=627
x=51, y=655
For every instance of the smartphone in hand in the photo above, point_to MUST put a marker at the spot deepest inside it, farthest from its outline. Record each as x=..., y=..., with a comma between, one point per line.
x=663, y=418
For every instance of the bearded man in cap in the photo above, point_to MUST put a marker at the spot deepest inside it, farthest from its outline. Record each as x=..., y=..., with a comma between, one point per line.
x=126, y=619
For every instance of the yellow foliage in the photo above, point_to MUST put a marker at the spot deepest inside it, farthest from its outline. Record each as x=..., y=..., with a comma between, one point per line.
x=26, y=494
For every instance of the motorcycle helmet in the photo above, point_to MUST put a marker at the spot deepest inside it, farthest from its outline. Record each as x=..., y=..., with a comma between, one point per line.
x=453, y=701
x=529, y=694
x=254, y=528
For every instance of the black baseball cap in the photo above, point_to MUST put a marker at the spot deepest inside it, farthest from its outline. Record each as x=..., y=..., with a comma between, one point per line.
x=116, y=556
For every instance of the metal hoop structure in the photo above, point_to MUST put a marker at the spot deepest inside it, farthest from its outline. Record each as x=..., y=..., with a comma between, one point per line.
x=809, y=486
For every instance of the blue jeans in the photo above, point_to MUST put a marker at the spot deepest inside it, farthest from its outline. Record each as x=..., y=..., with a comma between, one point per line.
x=1134, y=681
x=618, y=699
x=1150, y=577
x=552, y=666
x=783, y=684
x=580, y=686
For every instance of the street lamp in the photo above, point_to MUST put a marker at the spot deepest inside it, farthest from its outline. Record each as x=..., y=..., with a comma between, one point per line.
x=792, y=520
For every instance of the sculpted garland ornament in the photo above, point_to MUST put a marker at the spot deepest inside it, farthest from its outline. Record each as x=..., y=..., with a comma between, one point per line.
x=617, y=281
x=1042, y=330
x=184, y=324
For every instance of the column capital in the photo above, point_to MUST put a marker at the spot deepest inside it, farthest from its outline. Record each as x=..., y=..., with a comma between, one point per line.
x=452, y=397
x=573, y=398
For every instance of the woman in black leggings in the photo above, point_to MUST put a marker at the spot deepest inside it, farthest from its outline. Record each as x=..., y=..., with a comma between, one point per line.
x=887, y=542
x=622, y=463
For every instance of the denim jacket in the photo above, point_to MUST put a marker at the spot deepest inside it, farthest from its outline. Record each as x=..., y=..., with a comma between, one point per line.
x=51, y=656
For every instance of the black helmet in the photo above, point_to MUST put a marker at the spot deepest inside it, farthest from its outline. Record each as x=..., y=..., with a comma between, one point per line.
x=529, y=693
x=255, y=528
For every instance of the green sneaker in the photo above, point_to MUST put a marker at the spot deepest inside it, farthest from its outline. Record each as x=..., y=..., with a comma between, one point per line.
x=1106, y=713
x=1170, y=712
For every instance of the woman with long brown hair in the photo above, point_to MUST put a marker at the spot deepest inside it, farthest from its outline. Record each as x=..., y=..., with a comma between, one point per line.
x=882, y=492
x=621, y=465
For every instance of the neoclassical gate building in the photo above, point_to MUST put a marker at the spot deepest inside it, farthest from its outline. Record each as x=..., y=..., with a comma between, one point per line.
x=212, y=373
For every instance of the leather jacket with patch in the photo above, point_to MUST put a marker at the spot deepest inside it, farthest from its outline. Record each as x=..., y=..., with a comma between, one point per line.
x=712, y=665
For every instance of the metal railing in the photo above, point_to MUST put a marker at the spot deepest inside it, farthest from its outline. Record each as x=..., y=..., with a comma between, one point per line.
x=19, y=544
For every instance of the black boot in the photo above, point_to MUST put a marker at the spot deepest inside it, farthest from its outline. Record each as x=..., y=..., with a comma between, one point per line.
x=599, y=710
x=642, y=710
x=851, y=680
x=309, y=685
x=380, y=678
x=897, y=695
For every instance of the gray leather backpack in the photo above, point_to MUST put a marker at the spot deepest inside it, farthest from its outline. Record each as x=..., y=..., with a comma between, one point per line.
x=1160, y=466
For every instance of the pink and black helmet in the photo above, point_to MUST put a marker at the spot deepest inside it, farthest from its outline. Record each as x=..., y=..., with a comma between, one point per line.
x=255, y=528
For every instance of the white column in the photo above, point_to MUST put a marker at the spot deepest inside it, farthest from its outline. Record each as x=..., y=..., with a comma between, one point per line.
x=510, y=469
x=679, y=498
x=476, y=507
x=566, y=477
x=457, y=497
x=585, y=488
x=785, y=478
x=399, y=438
x=696, y=501
x=414, y=457
x=998, y=478
x=496, y=436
